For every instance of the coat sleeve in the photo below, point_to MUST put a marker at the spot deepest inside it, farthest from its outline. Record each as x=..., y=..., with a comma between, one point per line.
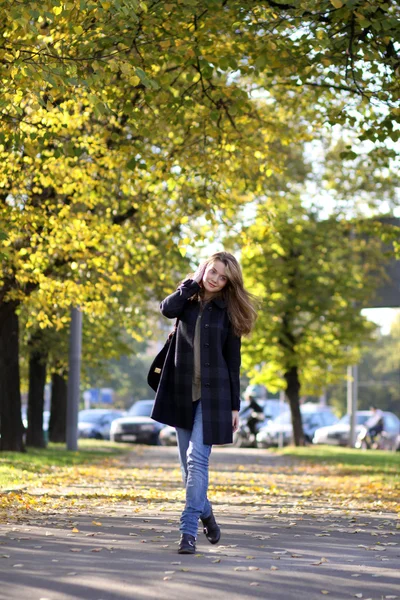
x=233, y=360
x=172, y=306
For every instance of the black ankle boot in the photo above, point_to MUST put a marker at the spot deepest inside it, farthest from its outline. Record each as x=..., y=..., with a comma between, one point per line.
x=187, y=544
x=211, y=529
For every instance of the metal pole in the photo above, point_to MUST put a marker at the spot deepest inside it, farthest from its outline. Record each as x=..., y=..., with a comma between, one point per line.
x=349, y=398
x=352, y=392
x=281, y=405
x=75, y=346
x=353, y=417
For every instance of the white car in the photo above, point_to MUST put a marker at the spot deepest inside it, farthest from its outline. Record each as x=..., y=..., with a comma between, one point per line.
x=339, y=434
x=313, y=416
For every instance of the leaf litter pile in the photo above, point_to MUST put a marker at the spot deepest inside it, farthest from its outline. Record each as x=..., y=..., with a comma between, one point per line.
x=143, y=480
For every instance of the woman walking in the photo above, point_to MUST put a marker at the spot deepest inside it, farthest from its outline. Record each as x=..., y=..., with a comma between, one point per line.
x=199, y=386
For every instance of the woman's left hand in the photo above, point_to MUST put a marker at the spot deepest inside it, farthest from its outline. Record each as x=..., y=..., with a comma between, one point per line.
x=235, y=420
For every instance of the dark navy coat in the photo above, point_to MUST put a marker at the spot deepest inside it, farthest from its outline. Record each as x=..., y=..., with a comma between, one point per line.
x=220, y=366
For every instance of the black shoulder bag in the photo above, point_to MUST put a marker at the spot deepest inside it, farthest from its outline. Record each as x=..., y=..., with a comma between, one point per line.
x=155, y=371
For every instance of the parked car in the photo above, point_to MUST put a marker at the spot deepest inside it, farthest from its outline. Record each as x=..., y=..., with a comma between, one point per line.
x=339, y=433
x=313, y=417
x=168, y=436
x=95, y=423
x=137, y=426
x=271, y=409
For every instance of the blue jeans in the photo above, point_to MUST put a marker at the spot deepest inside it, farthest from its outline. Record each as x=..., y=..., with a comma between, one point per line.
x=194, y=458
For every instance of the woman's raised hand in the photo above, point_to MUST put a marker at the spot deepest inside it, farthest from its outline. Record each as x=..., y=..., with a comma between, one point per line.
x=199, y=274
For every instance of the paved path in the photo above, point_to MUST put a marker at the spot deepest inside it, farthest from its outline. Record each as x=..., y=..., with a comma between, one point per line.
x=268, y=550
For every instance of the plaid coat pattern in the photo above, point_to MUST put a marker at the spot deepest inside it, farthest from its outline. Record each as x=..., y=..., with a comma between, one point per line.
x=220, y=367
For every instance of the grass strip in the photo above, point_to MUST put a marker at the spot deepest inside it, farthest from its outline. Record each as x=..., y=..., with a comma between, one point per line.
x=376, y=461
x=22, y=468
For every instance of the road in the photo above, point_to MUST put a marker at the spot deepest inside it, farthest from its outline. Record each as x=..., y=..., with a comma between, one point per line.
x=284, y=544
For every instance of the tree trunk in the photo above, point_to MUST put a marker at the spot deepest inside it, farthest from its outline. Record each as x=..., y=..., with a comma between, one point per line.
x=293, y=395
x=58, y=414
x=11, y=427
x=37, y=381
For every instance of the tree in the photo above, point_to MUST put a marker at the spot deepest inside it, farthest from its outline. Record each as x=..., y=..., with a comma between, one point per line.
x=37, y=382
x=321, y=50
x=71, y=212
x=313, y=278
x=145, y=115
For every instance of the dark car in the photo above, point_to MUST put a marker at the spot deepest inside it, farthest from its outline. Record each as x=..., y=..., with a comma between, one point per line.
x=95, y=423
x=137, y=426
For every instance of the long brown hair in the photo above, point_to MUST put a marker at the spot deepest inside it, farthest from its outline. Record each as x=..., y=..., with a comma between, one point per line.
x=240, y=303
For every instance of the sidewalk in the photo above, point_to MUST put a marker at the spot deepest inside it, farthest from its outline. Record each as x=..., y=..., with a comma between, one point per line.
x=269, y=549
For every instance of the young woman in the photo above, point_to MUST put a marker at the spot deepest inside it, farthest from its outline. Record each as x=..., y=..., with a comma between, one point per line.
x=199, y=386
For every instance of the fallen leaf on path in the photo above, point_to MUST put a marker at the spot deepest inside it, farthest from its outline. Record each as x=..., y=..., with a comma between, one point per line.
x=319, y=562
x=274, y=568
x=254, y=583
x=166, y=578
x=324, y=592
x=97, y=523
x=217, y=560
x=96, y=549
x=240, y=569
x=75, y=530
x=75, y=550
x=254, y=568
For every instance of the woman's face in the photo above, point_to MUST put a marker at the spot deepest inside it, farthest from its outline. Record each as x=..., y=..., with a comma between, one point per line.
x=214, y=278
